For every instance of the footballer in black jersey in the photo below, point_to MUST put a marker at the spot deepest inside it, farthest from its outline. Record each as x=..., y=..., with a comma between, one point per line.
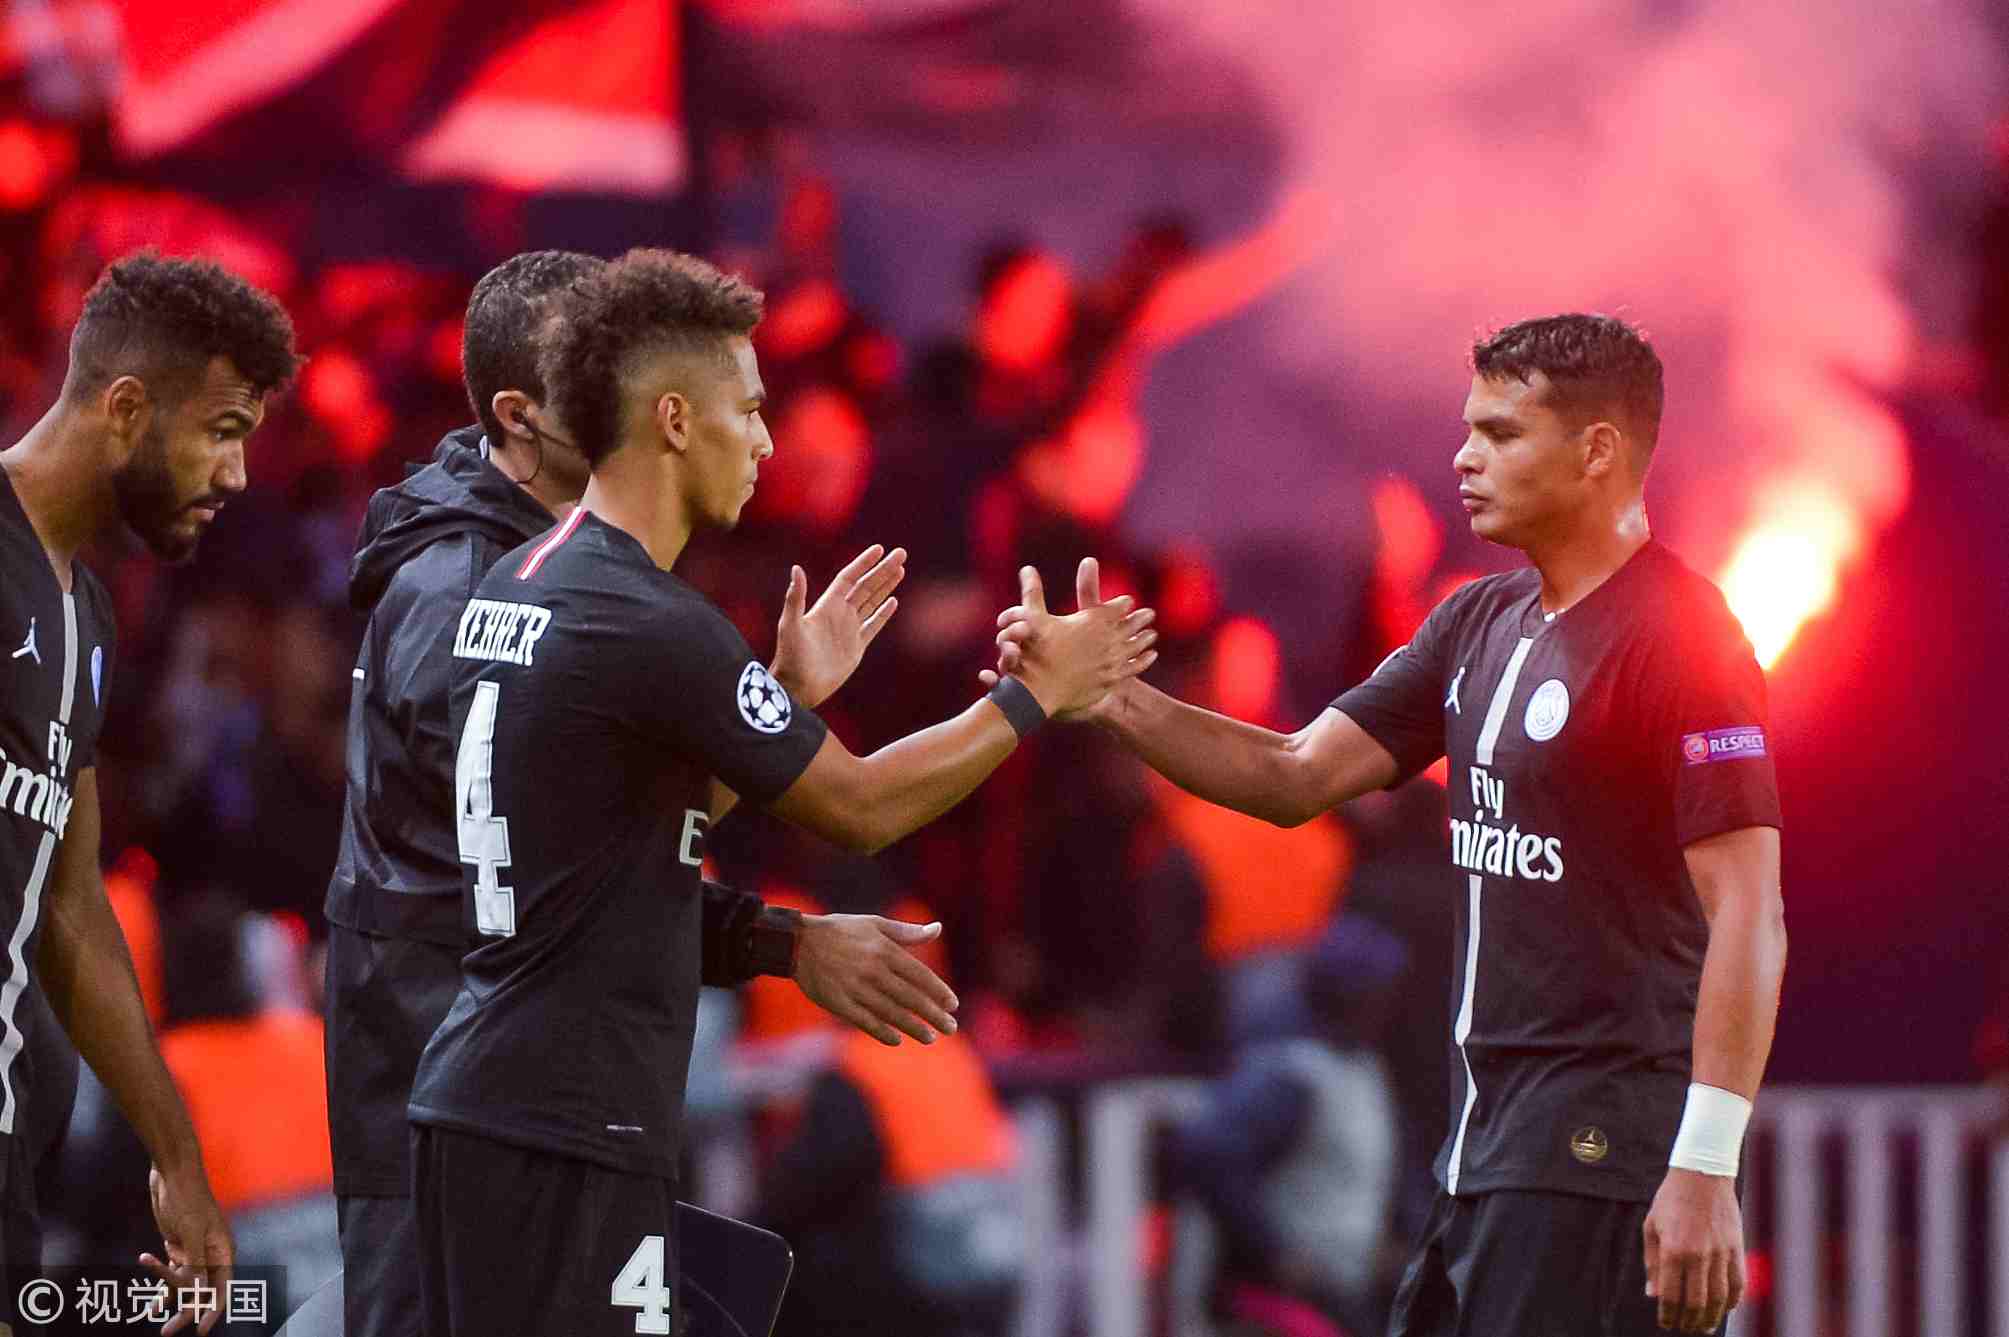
x=170, y=366
x=596, y=700
x=396, y=936
x=1613, y=840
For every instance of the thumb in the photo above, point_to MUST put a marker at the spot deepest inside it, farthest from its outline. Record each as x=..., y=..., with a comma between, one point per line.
x=797, y=597
x=1031, y=592
x=902, y=932
x=1088, y=583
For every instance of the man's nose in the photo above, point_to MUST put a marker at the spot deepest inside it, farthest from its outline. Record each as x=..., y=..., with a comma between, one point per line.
x=230, y=476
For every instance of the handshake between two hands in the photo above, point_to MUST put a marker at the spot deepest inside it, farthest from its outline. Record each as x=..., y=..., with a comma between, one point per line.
x=1072, y=664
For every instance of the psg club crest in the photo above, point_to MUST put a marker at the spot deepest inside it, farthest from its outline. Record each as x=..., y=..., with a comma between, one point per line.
x=1548, y=708
x=763, y=703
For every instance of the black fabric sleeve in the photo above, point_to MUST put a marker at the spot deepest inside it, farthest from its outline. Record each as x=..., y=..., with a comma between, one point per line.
x=835, y=1157
x=1716, y=736
x=413, y=625
x=737, y=926
x=706, y=695
x=1401, y=704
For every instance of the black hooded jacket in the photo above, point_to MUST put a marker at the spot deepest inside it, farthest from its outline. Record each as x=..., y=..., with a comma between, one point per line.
x=425, y=545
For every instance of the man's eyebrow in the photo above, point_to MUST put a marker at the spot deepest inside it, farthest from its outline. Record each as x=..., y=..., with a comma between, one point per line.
x=1495, y=423
x=233, y=413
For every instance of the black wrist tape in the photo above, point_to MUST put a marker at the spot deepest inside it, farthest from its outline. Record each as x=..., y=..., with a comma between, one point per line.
x=1021, y=708
x=771, y=940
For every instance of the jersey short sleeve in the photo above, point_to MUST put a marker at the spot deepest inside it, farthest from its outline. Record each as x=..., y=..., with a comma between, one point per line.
x=1717, y=738
x=707, y=695
x=1401, y=703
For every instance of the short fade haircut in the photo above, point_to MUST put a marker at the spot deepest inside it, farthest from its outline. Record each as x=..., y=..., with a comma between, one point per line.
x=647, y=301
x=505, y=317
x=1594, y=364
x=163, y=319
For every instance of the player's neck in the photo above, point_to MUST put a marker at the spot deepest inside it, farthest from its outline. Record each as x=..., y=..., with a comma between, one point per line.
x=1584, y=559
x=66, y=496
x=640, y=507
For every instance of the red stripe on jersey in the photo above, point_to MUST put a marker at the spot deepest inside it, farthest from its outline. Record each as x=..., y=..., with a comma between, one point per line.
x=550, y=545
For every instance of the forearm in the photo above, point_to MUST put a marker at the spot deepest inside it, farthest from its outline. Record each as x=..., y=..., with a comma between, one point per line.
x=907, y=784
x=1225, y=761
x=1739, y=1002
x=87, y=974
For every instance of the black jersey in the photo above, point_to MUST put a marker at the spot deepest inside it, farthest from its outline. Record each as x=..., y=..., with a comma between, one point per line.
x=1586, y=751
x=595, y=697
x=58, y=648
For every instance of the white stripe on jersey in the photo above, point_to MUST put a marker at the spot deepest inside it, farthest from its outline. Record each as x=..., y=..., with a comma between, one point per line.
x=11, y=1039
x=1460, y=1032
x=1496, y=713
x=69, y=658
x=1496, y=716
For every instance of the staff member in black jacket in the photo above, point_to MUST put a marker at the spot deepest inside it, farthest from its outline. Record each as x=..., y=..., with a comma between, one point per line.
x=396, y=930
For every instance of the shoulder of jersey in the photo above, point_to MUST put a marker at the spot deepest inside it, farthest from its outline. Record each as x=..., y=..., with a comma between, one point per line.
x=1489, y=591
x=1695, y=608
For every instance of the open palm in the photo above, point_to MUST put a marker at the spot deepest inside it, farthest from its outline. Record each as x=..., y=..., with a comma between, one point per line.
x=816, y=649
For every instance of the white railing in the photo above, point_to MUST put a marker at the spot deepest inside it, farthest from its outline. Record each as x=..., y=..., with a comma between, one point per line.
x=1860, y=1157
x=1879, y=1137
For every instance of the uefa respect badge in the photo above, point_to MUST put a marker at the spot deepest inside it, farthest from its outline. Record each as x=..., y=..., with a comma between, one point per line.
x=1733, y=744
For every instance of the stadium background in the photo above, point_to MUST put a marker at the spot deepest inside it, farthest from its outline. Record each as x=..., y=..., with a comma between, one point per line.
x=1184, y=285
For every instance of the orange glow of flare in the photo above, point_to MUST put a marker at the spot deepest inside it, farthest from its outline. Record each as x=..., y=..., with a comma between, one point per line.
x=1787, y=568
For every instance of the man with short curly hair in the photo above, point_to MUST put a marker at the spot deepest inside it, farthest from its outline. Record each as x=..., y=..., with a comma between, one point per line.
x=171, y=364
x=597, y=700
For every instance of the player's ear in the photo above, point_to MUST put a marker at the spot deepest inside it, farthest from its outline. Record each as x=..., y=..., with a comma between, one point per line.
x=129, y=408
x=1603, y=448
x=512, y=409
x=673, y=420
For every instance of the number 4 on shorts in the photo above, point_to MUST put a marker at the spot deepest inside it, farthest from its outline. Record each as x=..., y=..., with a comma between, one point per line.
x=641, y=1286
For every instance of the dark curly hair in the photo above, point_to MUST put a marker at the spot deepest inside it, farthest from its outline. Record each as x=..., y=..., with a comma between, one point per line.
x=1595, y=364
x=505, y=315
x=162, y=318
x=646, y=301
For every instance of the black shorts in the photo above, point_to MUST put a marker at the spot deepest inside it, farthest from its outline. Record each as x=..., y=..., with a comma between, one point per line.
x=1528, y=1264
x=380, y=1265
x=385, y=998
x=522, y=1243
x=44, y=1079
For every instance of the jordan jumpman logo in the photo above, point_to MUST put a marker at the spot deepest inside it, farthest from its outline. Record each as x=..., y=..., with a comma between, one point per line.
x=28, y=646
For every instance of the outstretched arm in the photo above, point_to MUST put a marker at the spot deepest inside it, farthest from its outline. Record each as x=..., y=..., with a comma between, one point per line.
x=1287, y=779
x=87, y=974
x=866, y=803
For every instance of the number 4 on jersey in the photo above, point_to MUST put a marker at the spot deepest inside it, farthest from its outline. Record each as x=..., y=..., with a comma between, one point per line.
x=484, y=836
x=642, y=1285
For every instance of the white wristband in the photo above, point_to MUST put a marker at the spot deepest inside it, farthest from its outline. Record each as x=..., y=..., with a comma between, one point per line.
x=1712, y=1131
